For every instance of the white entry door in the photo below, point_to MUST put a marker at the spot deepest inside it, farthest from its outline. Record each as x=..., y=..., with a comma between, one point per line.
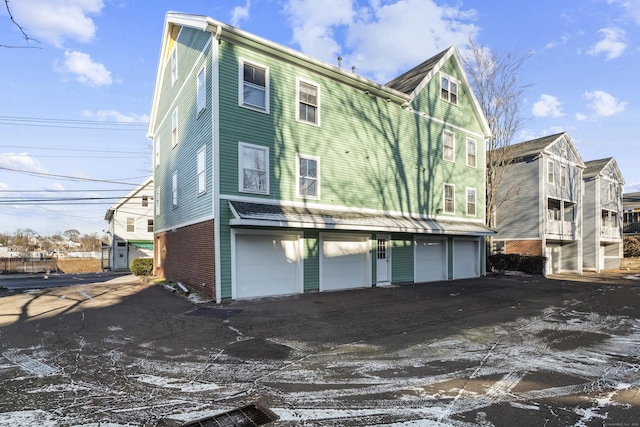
x=383, y=261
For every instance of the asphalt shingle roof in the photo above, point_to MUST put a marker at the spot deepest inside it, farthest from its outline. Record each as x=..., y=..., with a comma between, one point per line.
x=407, y=82
x=594, y=167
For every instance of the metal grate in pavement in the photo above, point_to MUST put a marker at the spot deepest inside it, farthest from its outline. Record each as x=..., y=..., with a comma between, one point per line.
x=247, y=416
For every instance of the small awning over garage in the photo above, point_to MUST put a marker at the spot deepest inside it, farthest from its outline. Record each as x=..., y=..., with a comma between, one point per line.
x=142, y=244
x=265, y=215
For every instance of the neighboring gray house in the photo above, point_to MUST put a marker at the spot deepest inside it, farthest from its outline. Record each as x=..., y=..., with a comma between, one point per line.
x=542, y=214
x=631, y=206
x=602, y=237
x=131, y=227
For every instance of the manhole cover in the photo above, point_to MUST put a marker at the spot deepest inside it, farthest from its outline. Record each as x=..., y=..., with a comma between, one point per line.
x=217, y=313
x=250, y=415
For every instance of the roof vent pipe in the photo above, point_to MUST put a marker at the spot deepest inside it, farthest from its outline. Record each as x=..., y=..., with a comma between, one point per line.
x=353, y=68
x=340, y=61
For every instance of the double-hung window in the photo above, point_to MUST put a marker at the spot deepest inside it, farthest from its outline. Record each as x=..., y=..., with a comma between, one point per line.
x=563, y=176
x=174, y=189
x=145, y=201
x=550, y=172
x=308, y=102
x=471, y=201
x=174, y=128
x=449, y=146
x=308, y=177
x=174, y=65
x=449, y=89
x=472, y=160
x=202, y=171
x=201, y=91
x=131, y=225
x=253, y=168
x=156, y=150
x=254, y=86
x=149, y=226
x=157, y=201
x=449, y=198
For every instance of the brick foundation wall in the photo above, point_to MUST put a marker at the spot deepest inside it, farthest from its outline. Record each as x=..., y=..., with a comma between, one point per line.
x=524, y=247
x=187, y=256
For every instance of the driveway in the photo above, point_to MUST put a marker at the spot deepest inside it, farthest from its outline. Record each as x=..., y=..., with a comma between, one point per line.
x=495, y=351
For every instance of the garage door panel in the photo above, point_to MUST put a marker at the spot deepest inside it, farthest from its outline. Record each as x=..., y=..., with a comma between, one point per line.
x=430, y=259
x=266, y=265
x=465, y=259
x=345, y=263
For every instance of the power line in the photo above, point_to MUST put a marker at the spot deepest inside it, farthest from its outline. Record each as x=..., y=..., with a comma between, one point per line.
x=74, y=149
x=75, y=178
x=71, y=124
x=39, y=156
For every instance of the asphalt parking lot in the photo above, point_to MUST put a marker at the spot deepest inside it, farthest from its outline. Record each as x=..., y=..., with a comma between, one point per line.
x=495, y=351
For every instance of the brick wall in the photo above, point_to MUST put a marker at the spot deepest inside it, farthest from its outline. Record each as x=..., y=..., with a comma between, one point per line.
x=524, y=247
x=187, y=256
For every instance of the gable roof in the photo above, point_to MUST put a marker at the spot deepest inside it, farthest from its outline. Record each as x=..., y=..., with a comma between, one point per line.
x=113, y=208
x=538, y=146
x=596, y=167
x=401, y=90
x=413, y=81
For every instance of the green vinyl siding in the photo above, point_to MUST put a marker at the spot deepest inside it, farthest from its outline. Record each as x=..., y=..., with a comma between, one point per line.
x=402, y=259
x=394, y=155
x=311, y=260
x=194, y=132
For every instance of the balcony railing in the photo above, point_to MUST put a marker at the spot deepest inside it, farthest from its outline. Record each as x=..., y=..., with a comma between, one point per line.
x=631, y=228
x=562, y=229
x=608, y=232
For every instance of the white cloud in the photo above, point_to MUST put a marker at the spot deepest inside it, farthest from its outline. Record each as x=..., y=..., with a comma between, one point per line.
x=56, y=186
x=563, y=40
x=379, y=38
x=116, y=116
x=631, y=7
x=581, y=117
x=20, y=161
x=613, y=43
x=85, y=69
x=547, y=106
x=54, y=21
x=604, y=104
x=240, y=13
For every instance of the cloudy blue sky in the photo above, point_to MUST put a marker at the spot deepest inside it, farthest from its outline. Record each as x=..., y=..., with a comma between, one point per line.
x=77, y=96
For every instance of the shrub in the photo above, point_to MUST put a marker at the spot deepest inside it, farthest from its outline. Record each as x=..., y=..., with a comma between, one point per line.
x=515, y=262
x=142, y=266
x=631, y=247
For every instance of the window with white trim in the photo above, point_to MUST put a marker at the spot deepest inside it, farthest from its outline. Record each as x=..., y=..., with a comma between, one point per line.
x=471, y=201
x=449, y=196
x=201, y=91
x=145, y=201
x=308, y=171
x=449, y=89
x=174, y=189
x=157, y=201
x=448, y=146
x=550, y=172
x=308, y=102
x=174, y=65
x=253, y=168
x=149, y=226
x=156, y=150
x=472, y=160
x=563, y=176
x=174, y=128
x=254, y=86
x=202, y=170
x=131, y=225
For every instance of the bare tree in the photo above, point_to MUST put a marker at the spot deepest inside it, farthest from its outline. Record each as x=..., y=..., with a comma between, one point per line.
x=22, y=30
x=495, y=80
x=72, y=234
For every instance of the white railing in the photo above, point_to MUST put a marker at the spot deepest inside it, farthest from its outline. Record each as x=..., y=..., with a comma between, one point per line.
x=610, y=232
x=562, y=229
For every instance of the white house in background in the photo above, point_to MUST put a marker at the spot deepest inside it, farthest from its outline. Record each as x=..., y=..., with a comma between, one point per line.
x=602, y=237
x=131, y=227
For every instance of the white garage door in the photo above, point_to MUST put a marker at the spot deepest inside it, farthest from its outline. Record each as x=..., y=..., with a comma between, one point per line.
x=345, y=262
x=430, y=260
x=465, y=259
x=267, y=264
